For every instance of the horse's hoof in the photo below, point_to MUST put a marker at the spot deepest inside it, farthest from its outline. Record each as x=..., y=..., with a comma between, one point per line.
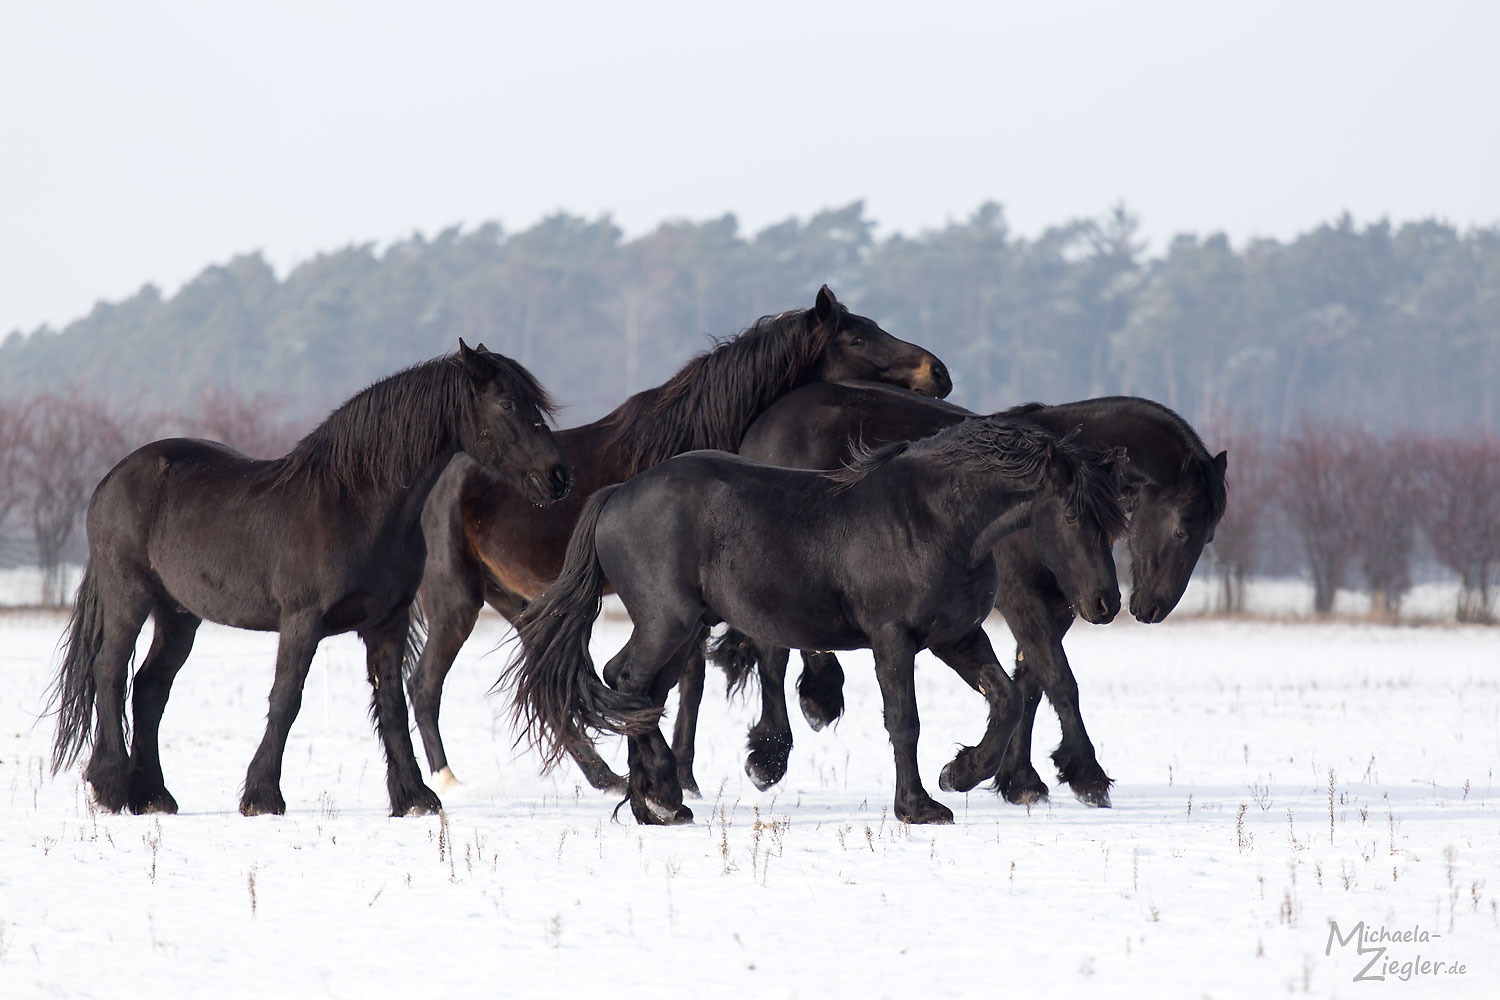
x=1088, y=780
x=262, y=806
x=955, y=776
x=445, y=780
x=1094, y=796
x=599, y=776
x=109, y=789
x=762, y=775
x=421, y=802
x=649, y=812
x=690, y=789
x=1024, y=791
x=161, y=802
x=766, y=762
x=819, y=715
x=924, y=812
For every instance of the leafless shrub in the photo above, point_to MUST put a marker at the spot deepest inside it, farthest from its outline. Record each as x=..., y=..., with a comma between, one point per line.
x=1457, y=485
x=1316, y=487
x=71, y=442
x=1381, y=516
x=256, y=424
x=1238, y=540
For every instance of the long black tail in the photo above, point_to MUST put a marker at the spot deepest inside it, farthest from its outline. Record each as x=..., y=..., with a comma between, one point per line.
x=558, y=696
x=734, y=653
x=73, y=694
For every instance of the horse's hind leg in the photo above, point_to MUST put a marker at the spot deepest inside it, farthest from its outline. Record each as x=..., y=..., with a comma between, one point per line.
x=451, y=600
x=820, y=689
x=403, y=778
x=170, y=645
x=685, y=727
x=650, y=664
x=973, y=658
x=299, y=640
x=771, y=736
x=125, y=605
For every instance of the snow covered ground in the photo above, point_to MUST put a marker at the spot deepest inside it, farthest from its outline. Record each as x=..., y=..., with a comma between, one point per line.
x=1271, y=778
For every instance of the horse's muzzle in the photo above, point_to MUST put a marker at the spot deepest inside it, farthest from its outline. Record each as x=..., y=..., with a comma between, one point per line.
x=551, y=487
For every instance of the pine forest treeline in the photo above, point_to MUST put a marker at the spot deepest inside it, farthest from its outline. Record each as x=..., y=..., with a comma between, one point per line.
x=1381, y=327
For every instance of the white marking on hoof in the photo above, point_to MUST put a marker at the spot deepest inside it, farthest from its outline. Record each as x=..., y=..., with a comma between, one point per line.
x=660, y=811
x=444, y=781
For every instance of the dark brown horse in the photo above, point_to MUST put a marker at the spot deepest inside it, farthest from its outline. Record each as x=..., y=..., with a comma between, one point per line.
x=1174, y=489
x=325, y=540
x=488, y=543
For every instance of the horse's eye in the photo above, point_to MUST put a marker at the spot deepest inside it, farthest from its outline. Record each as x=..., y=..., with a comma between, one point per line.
x=506, y=404
x=1072, y=519
x=1180, y=534
x=857, y=342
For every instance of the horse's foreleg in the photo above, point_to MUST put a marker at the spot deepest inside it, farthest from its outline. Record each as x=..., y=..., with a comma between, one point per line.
x=895, y=663
x=685, y=728
x=403, y=779
x=1015, y=778
x=1074, y=757
x=170, y=646
x=771, y=736
x=299, y=640
x=973, y=658
x=1042, y=667
x=820, y=689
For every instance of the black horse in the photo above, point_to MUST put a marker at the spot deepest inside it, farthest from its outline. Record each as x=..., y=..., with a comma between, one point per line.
x=892, y=553
x=325, y=540
x=486, y=543
x=1174, y=489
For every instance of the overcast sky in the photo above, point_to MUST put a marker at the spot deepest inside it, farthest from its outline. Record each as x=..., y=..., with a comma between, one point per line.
x=142, y=141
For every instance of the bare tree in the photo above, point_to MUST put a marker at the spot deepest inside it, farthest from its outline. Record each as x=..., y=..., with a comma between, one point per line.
x=1315, y=486
x=255, y=425
x=71, y=442
x=1382, y=518
x=1238, y=544
x=1458, y=507
x=13, y=421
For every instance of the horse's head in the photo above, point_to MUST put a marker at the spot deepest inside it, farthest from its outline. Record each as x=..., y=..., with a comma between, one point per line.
x=859, y=349
x=1074, y=524
x=508, y=431
x=1168, y=528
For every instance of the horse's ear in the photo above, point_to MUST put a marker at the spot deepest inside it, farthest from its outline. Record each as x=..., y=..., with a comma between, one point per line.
x=1221, y=461
x=1059, y=469
x=825, y=305
x=474, y=362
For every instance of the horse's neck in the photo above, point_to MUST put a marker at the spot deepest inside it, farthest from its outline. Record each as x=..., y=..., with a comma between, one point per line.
x=972, y=511
x=1155, y=447
x=655, y=424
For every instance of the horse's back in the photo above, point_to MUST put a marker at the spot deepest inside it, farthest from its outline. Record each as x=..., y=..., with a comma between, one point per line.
x=814, y=427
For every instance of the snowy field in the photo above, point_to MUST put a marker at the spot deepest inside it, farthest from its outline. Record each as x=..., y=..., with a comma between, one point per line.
x=1271, y=778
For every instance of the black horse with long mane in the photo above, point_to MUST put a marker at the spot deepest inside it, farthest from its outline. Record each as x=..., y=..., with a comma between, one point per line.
x=325, y=540
x=892, y=553
x=1174, y=489
x=486, y=543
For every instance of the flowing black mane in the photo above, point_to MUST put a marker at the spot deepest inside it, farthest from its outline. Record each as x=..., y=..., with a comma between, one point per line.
x=1014, y=449
x=711, y=401
x=390, y=430
x=1198, y=459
